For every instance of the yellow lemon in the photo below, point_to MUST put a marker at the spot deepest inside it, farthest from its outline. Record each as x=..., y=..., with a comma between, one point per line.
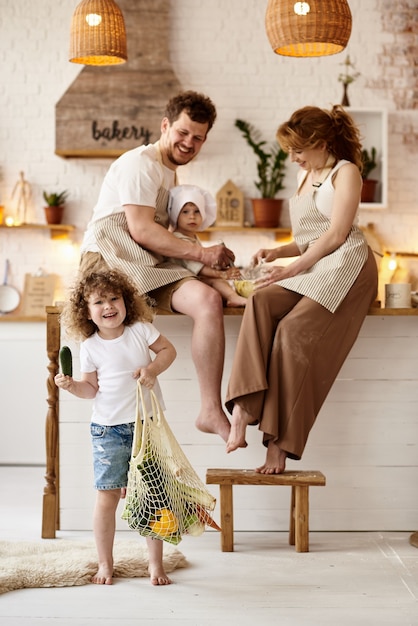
x=166, y=523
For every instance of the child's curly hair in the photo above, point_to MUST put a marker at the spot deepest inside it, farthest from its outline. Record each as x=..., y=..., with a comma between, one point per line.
x=75, y=314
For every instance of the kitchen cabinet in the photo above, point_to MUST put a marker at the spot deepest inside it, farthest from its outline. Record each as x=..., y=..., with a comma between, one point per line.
x=365, y=439
x=23, y=392
x=373, y=125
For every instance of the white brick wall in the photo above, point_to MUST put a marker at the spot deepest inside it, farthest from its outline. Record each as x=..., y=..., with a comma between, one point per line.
x=217, y=47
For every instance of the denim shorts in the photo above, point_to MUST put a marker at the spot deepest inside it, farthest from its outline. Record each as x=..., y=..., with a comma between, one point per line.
x=112, y=447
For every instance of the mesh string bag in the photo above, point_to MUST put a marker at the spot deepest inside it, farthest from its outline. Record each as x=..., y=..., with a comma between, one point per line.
x=165, y=497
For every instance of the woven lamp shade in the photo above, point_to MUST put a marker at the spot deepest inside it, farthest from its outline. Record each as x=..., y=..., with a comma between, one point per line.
x=98, y=35
x=308, y=29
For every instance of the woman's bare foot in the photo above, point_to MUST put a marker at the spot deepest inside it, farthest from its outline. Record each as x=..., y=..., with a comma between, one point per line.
x=158, y=575
x=239, y=422
x=275, y=460
x=214, y=423
x=104, y=575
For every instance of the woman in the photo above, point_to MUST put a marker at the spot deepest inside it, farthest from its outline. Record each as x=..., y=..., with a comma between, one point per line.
x=302, y=320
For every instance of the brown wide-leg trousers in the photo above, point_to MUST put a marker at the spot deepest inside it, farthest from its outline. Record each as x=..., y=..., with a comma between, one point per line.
x=289, y=352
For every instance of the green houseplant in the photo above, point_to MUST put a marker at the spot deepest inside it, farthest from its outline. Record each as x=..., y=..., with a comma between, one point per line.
x=271, y=164
x=54, y=208
x=369, y=163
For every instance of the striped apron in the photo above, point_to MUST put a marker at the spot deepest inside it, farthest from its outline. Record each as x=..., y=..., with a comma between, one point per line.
x=149, y=271
x=329, y=280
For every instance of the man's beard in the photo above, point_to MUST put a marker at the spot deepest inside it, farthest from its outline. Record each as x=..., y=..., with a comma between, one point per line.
x=187, y=155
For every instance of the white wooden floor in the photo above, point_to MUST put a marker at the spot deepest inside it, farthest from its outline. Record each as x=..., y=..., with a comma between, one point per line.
x=368, y=578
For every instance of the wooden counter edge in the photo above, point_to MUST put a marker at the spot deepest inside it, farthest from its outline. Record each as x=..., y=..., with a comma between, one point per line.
x=377, y=311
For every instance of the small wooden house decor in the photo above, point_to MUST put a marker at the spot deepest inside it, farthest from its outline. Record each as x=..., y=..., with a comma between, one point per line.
x=230, y=206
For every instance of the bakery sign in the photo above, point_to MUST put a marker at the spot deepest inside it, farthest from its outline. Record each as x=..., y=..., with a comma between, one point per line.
x=122, y=118
x=117, y=132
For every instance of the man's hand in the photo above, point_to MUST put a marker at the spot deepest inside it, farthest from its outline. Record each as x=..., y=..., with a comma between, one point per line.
x=218, y=257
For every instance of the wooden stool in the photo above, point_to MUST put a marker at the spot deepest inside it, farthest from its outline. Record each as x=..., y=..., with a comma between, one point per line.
x=299, y=507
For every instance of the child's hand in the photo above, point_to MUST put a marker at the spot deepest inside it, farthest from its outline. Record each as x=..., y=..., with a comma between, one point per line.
x=145, y=378
x=231, y=273
x=63, y=382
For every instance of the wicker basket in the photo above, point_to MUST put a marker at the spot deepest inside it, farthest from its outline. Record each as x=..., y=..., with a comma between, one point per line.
x=102, y=43
x=324, y=29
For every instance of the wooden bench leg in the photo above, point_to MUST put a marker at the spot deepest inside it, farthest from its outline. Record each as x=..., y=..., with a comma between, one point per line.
x=227, y=518
x=302, y=518
x=292, y=519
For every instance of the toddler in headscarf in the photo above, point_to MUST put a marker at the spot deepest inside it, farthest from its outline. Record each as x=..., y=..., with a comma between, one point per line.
x=192, y=209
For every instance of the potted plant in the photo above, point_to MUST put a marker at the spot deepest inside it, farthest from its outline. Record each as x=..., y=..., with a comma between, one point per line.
x=271, y=172
x=54, y=206
x=369, y=163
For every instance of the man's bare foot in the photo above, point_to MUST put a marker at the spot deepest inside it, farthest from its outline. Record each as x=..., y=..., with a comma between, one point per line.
x=239, y=422
x=214, y=423
x=158, y=575
x=275, y=460
x=236, y=300
x=104, y=575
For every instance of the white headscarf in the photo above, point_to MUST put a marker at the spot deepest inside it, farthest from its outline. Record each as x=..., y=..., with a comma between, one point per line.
x=204, y=201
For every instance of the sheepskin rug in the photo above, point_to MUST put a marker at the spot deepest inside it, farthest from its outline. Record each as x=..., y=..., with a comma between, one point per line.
x=61, y=563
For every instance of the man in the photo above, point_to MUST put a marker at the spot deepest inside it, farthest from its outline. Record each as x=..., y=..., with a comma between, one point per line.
x=129, y=231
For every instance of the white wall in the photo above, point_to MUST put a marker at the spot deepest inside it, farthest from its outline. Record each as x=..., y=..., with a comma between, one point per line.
x=217, y=47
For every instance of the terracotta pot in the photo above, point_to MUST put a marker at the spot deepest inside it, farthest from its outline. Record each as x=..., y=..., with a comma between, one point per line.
x=267, y=212
x=368, y=190
x=53, y=214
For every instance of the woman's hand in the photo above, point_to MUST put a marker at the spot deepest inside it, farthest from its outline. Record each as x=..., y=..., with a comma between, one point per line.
x=270, y=275
x=264, y=255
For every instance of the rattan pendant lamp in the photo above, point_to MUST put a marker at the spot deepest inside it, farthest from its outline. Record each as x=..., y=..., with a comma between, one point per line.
x=308, y=29
x=98, y=35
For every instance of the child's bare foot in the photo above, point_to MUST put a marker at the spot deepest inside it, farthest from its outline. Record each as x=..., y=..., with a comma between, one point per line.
x=275, y=460
x=104, y=575
x=158, y=575
x=235, y=300
x=239, y=422
x=214, y=423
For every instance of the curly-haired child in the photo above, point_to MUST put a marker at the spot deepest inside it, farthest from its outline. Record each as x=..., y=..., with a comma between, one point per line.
x=114, y=324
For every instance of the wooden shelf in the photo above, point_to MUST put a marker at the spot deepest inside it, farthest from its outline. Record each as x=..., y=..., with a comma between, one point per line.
x=57, y=231
x=13, y=317
x=280, y=233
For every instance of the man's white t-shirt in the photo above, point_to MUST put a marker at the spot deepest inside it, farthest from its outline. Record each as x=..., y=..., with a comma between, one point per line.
x=115, y=361
x=134, y=178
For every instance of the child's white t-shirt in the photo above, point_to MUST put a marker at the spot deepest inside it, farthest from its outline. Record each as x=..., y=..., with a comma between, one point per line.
x=115, y=361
